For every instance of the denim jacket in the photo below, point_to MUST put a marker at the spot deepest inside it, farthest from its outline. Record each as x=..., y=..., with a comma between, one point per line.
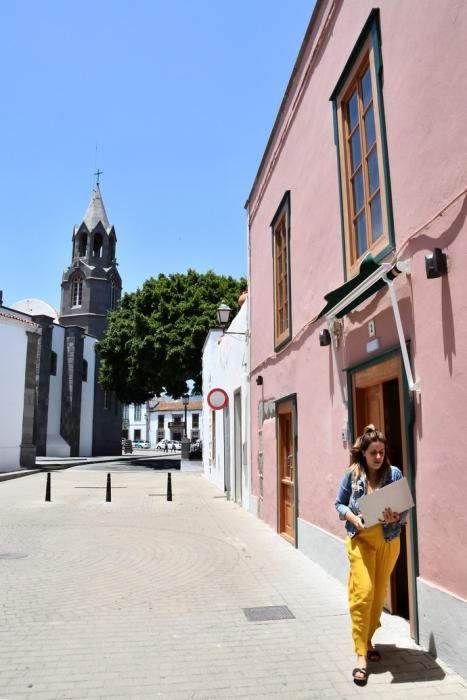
x=347, y=499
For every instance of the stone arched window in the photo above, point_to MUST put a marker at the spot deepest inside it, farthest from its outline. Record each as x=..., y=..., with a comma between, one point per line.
x=77, y=291
x=53, y=363
x=112, y=248
x=85, y=371
x=83, y=242
x=97, y=245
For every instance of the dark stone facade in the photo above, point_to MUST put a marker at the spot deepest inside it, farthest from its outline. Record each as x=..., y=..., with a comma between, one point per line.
x=27, y=454
x=44, y=357
x=107, y=424
x=71, y=387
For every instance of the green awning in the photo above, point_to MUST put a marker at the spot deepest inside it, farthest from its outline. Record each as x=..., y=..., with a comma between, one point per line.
x=368, y=281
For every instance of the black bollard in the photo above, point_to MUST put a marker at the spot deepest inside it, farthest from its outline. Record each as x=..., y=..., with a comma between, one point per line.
x=108, y=492
x=169, y=486
x=47, y=488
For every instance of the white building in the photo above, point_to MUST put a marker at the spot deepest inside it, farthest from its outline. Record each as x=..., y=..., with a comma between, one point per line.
x=19, y=337
x=168, y=420
x=162, y=418
x=136, y=421
x=226, y=432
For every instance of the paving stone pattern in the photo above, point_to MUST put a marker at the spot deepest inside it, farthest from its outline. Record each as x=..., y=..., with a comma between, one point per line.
x=144, y=598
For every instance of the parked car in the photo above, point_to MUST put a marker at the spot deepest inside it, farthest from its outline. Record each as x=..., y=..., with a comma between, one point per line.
x=145, y=445
x=169, y=445
x=137, y=444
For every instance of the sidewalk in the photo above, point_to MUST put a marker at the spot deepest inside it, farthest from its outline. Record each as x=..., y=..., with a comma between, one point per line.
x=147, y=598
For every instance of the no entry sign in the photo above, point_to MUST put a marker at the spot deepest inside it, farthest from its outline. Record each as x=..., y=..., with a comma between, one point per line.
x=217, y=399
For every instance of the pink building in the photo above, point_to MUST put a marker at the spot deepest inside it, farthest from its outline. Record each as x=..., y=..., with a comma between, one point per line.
x=361, y=196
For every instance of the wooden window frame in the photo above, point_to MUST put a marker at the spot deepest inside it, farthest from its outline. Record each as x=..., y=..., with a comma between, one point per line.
x=281, y=273
x=366, y=54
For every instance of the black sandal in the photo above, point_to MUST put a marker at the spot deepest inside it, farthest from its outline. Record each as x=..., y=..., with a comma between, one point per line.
x=360, y=681
x=373, y=655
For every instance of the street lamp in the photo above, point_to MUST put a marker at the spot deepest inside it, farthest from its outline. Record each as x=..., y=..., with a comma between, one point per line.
x=185, y=402
x=185, y=441
x=223, y=314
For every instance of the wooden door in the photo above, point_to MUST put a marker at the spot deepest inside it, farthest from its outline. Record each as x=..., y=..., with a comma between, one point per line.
x=286, y=475
x=378, y=399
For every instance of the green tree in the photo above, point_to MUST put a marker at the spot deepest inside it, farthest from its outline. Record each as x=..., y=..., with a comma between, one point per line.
x=155, y=338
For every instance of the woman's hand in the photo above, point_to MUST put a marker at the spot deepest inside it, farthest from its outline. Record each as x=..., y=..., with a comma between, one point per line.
x=356, y=520
x=389, y=517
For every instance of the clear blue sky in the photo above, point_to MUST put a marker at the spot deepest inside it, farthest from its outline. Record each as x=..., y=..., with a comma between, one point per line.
x=180, y=98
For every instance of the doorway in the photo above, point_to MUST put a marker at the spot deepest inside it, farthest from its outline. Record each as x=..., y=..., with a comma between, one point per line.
x=378, y=398
x=286, y=429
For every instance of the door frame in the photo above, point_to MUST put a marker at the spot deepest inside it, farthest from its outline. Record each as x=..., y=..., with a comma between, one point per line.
x=290, y=398
x=227, y=474
x=407, y=425
x=238, y=456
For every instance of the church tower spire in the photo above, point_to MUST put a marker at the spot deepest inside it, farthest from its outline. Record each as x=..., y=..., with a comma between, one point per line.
x=91, y=285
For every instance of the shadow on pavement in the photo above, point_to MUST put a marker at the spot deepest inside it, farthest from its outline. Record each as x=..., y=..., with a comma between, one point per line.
x=406, y=665
x=152, y=463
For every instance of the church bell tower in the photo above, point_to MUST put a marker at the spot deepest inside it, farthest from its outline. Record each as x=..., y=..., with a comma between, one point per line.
x=91, y=285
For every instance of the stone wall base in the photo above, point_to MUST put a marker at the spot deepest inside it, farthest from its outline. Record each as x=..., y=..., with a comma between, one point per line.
x=443, y=625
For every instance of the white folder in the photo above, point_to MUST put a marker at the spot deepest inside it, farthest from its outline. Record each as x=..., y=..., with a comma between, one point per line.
x=395, y=496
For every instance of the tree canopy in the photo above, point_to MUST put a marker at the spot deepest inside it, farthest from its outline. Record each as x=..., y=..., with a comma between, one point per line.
x=155, y=338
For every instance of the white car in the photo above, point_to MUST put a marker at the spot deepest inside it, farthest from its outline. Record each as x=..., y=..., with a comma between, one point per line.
x=145, y=445
x=169, y=445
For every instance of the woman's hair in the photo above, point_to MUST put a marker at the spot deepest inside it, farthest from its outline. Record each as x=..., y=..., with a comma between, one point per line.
x=358, y=461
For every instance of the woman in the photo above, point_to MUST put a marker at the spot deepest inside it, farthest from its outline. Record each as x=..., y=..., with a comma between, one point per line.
x=372, y=551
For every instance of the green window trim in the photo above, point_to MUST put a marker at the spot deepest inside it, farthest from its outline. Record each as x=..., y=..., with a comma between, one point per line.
x=283, y=209
x=370, y=33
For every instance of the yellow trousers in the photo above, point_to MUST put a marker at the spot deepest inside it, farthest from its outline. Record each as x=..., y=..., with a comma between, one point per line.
x=371, y=563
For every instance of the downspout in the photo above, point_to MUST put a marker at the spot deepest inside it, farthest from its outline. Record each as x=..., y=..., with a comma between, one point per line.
x=413, y=385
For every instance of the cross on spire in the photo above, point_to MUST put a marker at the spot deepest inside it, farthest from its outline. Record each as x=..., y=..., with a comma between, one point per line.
x=97, y=173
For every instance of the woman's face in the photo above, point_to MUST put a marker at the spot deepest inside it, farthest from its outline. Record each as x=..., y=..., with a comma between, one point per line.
x=374, y=455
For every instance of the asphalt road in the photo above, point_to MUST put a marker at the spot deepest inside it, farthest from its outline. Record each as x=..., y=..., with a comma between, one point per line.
x=142, y=461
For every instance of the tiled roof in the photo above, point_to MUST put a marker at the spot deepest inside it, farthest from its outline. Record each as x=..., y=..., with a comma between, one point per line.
x=178, y=406
x=20, y=319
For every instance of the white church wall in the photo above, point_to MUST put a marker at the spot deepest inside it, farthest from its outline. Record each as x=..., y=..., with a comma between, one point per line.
x=13, y=348
x=56, y=445
x=87, y=399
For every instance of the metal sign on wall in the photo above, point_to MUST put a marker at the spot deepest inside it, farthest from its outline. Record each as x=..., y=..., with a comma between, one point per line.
x=217, y=399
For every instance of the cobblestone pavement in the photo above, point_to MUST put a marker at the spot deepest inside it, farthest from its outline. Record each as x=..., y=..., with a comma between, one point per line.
x=145, y=598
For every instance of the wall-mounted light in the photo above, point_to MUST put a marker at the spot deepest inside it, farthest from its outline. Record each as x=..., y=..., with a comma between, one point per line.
x=436, y=264
x=223, y=315
x=259, y=380
x=324, y=338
